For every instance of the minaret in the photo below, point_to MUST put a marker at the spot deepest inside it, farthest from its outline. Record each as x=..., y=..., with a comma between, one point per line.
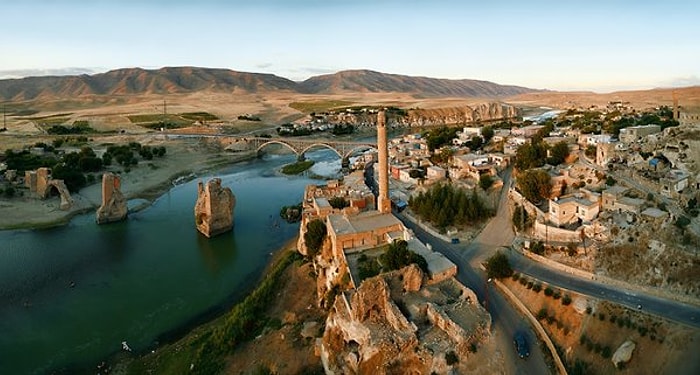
x=383, y=202
x=675, y=105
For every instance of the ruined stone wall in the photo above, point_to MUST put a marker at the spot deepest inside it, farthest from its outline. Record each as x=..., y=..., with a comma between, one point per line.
x=114, y=207
x=214, y=208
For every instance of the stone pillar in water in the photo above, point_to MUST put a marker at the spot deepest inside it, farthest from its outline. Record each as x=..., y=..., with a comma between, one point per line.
x=113, y=206
x=213, y=212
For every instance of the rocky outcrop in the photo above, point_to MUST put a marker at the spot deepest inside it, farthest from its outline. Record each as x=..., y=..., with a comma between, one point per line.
x=623, y=354
x=113, y=206
x=458, y=115
x=394, y=324
x=213, y=211
x=486, y=111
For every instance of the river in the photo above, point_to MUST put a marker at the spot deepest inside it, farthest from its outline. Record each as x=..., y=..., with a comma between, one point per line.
x=70, y=295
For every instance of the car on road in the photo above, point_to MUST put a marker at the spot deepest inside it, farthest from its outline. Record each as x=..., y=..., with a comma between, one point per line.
x=455, y=241
x=521, y=346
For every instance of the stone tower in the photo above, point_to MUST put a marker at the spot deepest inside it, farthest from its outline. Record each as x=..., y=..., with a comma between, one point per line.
x=383, y=202
x=213, y=212
x=113, y=206
x=675, y=106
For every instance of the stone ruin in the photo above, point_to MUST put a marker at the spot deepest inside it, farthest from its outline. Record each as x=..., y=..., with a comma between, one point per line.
x=42, y=184
x=394, y=324
x=113, y=206
x=213, y=212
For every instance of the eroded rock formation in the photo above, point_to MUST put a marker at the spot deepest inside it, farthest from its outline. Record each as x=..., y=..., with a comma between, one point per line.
x=113, y=206
x=458, y=115
x=213, y=212
x=394, y=324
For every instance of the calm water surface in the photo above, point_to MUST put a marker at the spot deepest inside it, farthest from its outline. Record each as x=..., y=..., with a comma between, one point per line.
x=137, y=280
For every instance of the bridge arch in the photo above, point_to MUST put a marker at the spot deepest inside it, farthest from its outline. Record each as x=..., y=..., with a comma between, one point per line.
x=321, y=145
x=285, y=144
x=354, y=149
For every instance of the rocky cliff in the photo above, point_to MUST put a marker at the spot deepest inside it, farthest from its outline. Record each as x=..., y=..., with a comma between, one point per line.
x=393, y=324
x=113, y=206
x=486, y=111
x=213, y=211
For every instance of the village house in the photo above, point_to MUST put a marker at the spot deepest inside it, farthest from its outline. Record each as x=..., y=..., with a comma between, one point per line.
x=526, y=131
x=674, y=182
x=637, y=133
x=473, y=166
x=582, y=207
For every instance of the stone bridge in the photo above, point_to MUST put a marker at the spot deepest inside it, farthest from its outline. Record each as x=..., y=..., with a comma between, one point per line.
x=301, y=146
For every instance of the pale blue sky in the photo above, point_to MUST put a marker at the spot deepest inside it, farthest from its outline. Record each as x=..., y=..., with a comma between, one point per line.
x=562, y=45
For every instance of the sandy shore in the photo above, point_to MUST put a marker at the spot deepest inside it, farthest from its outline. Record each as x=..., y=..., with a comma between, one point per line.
x=148, y=180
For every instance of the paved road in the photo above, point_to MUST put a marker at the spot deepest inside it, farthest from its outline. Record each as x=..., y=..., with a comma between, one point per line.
x=506, y=319
x=498, y=235
x=669, y=309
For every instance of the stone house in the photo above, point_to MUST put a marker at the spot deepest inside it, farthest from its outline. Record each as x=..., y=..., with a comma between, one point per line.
x=674, y=182
x=435, y=173
x=637, y=133
x=572, y=208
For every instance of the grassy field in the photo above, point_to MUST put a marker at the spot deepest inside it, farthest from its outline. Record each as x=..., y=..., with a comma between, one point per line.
x=198, y=116
x=318, y=105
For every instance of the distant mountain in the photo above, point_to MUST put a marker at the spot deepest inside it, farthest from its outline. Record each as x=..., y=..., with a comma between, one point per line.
x=179, y=80
x=371, y=81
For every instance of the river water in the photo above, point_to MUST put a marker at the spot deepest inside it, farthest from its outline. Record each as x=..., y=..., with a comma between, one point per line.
x=70, y=295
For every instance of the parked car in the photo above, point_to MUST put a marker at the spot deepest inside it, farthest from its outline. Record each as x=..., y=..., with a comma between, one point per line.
x=455, y=240
x=521, y=346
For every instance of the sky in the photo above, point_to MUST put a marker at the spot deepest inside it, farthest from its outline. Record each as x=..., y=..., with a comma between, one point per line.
x=596, y=45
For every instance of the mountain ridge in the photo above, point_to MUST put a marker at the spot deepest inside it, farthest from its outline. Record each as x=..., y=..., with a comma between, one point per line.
x=190, y=79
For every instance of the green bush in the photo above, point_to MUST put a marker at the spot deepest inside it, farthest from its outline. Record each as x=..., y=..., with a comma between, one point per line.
x=548, y=291
x=498, y=266
x=537, y=287
x=451, y=358
x=542, y=313
x=314, y=236
x=566, y=300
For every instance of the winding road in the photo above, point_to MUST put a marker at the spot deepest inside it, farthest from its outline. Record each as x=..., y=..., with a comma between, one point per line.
x=498, y=235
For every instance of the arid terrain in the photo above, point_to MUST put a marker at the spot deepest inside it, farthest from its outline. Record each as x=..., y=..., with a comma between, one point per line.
x=589, y=331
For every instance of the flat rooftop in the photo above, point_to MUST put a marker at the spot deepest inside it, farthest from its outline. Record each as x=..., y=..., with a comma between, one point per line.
x=362, y=222
x=437, y=263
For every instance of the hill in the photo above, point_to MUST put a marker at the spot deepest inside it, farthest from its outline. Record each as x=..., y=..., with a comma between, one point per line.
x=183, y=80
x=371, y=81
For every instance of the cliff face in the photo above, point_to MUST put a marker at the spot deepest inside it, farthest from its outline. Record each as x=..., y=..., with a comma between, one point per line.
x=213, y=211
x=487, y=111
x=113, y=206
x=392, y=324
x=458, y=115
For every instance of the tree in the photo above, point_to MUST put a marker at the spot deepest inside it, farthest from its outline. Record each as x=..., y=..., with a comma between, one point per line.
x=521, y=220
x=338, y=203
x=530, y=156
x=485, y=181
x=590, y=151
x=498, y=266
x=558, y=153
x=475, y=143
x=537, y=247
x=314, y=236
x=488, y=133
x=535, y=185
x=398, y=256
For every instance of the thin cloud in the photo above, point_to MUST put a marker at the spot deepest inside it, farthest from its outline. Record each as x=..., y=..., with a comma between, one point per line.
x=22, y=73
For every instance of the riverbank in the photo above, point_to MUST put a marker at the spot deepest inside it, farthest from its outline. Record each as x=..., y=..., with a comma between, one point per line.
x=206, y=347
x=185, y=159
